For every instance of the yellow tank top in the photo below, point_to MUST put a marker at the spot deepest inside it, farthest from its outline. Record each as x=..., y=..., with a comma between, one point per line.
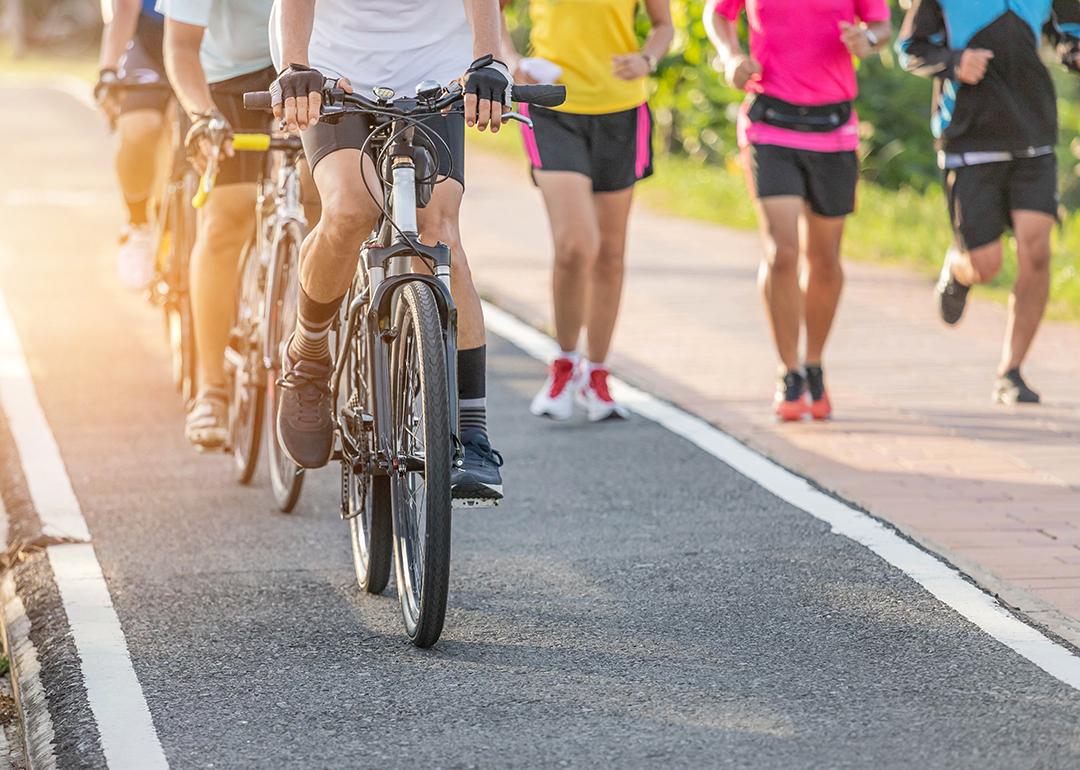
x=582, y=36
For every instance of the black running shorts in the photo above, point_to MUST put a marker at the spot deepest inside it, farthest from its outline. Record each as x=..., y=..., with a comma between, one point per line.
x=614, y=149
x=983, y=197
x=825, y=180
x=142, y=62
x=447, y=135
x=229, y=98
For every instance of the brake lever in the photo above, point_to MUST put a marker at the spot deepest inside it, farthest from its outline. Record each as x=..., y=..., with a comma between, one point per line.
x=509, y=116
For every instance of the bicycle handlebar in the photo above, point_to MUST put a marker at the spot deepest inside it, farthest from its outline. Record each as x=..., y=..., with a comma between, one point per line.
x=539, y=95
x=240, y=143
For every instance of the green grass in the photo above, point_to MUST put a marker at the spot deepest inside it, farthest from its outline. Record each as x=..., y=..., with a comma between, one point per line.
x=902, y=227
x=38, y=63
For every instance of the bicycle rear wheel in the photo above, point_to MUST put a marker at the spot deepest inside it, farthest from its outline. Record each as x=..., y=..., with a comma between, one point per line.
x=286, y=478
x=365, y=497
x=420, y=483
x=244, y=367
x=178, y=241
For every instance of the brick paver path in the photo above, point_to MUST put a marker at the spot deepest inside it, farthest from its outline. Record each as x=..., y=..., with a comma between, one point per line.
x=915, y=440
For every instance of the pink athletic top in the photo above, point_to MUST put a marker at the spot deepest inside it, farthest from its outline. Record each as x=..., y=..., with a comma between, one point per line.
x=803, y=61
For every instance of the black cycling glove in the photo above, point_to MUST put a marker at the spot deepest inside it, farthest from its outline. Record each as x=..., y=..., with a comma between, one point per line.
x=294, y=81
x=489, y=78
x=202, y=125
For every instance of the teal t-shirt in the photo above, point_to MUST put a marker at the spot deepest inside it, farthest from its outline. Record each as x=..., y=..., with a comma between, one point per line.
x=237, y=40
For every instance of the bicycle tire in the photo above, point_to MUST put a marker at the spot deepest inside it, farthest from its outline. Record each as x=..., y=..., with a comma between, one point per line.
x=244, y=368
x=366, y=498
x=420, y=403
x=286, y=478
x=178, y=238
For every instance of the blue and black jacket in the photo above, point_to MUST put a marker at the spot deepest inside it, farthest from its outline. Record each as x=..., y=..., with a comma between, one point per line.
x=1014, y=108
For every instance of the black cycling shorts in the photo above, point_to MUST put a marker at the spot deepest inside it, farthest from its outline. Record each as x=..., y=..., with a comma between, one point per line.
x=612, y=149
x=983, y=197
x=447, y=136
x=142, y=62
x=229, y=98
x=825, y=180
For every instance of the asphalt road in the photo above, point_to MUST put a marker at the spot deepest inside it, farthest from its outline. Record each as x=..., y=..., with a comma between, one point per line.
x=633, y=603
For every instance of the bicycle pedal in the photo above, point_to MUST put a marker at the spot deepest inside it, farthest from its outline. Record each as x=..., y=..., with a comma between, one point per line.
x=476, y=502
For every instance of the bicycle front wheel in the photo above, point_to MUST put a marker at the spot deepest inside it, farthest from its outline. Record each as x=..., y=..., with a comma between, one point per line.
x=243, y=359
x=420, y=480
x=286, y=478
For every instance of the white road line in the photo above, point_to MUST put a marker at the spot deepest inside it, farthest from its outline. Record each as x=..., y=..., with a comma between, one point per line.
x=50, y=489
x=116, y=699
x=944, y=582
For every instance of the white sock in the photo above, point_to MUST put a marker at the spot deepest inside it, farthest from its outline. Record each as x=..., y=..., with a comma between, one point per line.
x=571, y=356
x=592, y=366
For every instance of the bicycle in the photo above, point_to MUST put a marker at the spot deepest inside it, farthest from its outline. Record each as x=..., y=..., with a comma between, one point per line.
x=397, y=414
x=265, y=314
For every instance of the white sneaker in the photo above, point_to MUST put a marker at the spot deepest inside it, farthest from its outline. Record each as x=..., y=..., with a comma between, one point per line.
x=556, y=398
x=596, y=398
x=135, y=260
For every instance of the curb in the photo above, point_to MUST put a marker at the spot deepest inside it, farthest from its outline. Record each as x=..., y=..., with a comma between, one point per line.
x=34, y=717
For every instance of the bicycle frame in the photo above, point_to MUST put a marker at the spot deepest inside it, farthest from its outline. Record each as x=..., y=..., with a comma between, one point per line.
x=388, y=263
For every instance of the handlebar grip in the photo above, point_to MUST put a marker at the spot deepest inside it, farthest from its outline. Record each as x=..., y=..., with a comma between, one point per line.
x=199, y=199
x=258, y=100
x=541, y=96
x=251, y=142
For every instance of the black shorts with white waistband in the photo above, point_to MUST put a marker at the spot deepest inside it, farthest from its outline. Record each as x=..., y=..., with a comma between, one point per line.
x=612, y=149
x=143, y=62
x=983, y=197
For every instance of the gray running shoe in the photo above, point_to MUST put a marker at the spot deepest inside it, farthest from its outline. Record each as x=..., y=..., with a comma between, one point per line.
x=305, y=418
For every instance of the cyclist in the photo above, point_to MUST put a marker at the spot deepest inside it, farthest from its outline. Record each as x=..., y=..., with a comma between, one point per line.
x=131, y=52
x=395, y=44
x=798, y=134
x=215, y=50
x=586, y=157
x=995, y=119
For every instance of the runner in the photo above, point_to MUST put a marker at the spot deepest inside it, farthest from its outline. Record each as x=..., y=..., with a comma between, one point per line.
x=799, y=134
x=131, y=52
x=995, y=119
x=586, y=157
x=215, y=50
x=394, y=44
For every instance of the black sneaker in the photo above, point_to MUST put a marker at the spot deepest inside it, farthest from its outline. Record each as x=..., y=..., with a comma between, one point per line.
x=820, y=405
x=476, y=477
x=952, y=295
x=305, y=418
x=790, y=401
x=1010, y=388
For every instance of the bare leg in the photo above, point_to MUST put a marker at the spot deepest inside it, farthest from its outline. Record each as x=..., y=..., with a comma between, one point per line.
x=332, y=249
x=225, y=224
x=606, y=281
x=1028, y=301
x=139, y=134
x=824, y=281
x=574, y=230
x=779, y=274
x=979, y=265
x=439, y=222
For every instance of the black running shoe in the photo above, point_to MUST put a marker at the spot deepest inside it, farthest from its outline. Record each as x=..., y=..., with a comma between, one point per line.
x=476, y=476
x=952, y=295
x=820, y=405
x=1011, y=389
x=305, y=418
x=790, y=404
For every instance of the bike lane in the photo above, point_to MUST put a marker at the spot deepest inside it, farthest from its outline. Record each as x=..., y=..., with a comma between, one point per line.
x=635, y=601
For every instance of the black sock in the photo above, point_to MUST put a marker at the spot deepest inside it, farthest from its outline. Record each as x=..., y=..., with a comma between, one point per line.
x=311, y=342
x=472, y=388
x=137, y=212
